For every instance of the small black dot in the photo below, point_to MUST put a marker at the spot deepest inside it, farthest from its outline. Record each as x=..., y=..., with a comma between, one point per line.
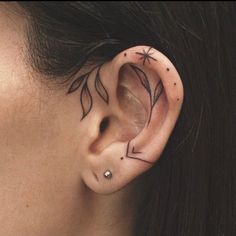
x=167, y=69
x=125, y=54
x=122, y=158
x=174, y=83
x=177, y=99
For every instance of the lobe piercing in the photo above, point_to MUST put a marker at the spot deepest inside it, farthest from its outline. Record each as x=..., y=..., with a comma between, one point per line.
x=108, y=174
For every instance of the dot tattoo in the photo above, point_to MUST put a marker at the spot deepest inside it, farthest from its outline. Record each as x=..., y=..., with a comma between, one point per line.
x=146, y=56
x=168, y=69
x=86, y=98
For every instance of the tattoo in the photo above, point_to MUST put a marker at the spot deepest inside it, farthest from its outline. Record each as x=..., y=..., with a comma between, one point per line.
x=86, y=99
x=146, y=56
x=100, y=87
x=127, y=155
x=154, y=96
x=168, y=69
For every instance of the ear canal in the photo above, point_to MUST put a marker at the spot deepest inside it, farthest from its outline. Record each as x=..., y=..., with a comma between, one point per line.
x=145, y=97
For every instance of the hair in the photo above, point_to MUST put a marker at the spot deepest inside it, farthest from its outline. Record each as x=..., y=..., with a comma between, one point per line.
x=191, y=190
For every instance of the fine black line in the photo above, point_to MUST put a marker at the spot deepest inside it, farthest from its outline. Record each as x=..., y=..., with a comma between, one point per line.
x=101, y=90
x=135, y=158
x=86, y=99
x=153, y=96
x=146, y=56
x=85, y=94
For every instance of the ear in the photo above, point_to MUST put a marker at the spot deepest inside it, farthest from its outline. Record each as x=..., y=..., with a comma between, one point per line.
x=129, y=107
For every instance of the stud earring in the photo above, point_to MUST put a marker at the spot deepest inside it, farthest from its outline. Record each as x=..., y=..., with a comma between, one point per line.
x=108, y=174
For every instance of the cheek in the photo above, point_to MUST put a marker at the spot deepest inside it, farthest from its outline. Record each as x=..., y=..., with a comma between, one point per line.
x=35, y=125
x=19, y=117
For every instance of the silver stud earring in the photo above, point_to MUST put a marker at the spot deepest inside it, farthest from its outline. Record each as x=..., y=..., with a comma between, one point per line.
x=108, y=174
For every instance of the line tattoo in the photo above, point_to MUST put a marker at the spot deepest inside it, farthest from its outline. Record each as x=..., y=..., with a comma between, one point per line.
x=127, y=155
x=86, y=99
x=101, y=90
x=146, y=56
x=153, y=95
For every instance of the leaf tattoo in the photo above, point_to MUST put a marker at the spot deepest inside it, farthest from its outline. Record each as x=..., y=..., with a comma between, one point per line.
x=77, y=83
x=100, y=87
x=157, y=92
x=142, y=77
x=154, y=96
x=86, y=100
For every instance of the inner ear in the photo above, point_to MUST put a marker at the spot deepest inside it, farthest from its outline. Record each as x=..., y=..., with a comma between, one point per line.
x=129, y=118
x=131, y=99
x=130, y=90
x=104, y=125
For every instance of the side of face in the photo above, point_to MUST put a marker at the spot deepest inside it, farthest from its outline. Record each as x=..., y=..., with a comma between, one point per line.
x=39, y=177
x=55, y=143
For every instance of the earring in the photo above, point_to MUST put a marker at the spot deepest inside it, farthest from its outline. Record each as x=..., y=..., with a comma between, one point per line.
x=108, y=174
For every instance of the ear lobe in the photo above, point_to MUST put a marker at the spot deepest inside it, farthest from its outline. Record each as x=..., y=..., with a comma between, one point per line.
x=140, y=123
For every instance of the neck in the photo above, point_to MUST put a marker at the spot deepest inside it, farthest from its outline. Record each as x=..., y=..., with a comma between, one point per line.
x=108, y=214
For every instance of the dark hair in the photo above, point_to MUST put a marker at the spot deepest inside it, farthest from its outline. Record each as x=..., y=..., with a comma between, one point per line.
x=192, y=188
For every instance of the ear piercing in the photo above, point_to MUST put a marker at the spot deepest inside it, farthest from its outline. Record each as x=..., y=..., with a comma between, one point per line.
x=108, y=174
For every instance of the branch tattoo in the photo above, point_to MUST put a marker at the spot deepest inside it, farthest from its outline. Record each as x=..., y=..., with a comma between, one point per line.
x=153, y=96
x=86, y=99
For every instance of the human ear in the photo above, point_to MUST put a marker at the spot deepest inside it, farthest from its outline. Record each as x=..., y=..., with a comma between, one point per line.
x=129, y=107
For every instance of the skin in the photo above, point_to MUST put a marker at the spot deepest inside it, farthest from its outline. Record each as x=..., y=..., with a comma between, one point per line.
x=41, y=191
x=53, y=155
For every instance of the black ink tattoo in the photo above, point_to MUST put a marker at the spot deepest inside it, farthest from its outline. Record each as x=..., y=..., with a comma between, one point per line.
x=127, y=155
x=146, y=56
x=86, y=99
x=100, y=87
x=154, y=96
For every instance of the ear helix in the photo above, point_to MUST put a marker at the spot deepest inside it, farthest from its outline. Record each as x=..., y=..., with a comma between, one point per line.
x=137, y=58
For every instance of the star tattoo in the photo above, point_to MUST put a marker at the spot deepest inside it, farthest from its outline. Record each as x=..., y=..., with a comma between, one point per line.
x=146, y=56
